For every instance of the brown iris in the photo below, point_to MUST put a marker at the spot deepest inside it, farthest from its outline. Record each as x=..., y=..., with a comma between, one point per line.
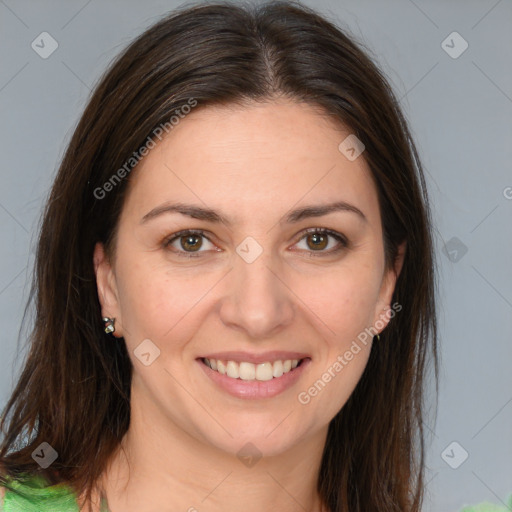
x=320, y=240
x=188, y=244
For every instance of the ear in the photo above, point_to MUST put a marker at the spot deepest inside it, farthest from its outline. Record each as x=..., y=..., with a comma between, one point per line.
x=387, y=289
x=107, y=288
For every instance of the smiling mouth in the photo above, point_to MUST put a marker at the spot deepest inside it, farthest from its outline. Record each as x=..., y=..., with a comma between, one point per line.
x=250, y=371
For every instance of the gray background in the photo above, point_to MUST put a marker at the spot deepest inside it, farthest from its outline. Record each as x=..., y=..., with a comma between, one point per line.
x=460, y=110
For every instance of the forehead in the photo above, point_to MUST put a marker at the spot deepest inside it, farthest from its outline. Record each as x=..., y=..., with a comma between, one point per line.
x=247, y=159
x=282, y=130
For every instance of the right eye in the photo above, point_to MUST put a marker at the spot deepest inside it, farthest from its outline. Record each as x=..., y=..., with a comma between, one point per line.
x=189, y=242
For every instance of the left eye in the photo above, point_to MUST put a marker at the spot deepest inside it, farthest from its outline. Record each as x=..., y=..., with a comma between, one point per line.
x=316, y=239
x=320, y=240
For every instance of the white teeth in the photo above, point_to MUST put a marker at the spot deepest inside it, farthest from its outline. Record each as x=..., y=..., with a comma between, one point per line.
x=250, y=371
x=232, y=370
x=264, y=371
x=278, y=369
x=247, y=371
x=221, y=368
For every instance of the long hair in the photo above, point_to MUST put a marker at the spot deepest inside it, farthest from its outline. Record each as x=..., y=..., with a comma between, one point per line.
x=74, y=388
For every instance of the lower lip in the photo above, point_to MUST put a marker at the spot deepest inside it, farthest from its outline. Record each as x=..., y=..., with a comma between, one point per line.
x=254, y=389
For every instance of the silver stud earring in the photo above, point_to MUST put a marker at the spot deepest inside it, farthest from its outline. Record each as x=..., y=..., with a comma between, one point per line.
x=109, y=324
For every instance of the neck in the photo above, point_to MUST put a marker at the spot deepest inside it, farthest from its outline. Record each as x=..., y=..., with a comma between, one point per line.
x=160, y=463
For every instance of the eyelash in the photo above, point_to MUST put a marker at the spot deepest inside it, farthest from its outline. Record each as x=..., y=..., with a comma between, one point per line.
x=340, y=238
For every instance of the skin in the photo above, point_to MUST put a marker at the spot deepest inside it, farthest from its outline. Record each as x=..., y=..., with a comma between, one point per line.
x=254, y=164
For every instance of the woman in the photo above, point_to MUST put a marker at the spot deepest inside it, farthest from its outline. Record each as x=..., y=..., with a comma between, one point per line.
x=234, y=282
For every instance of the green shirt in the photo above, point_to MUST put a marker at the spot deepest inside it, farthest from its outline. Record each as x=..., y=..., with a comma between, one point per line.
x=489, y=507
x=39, y=496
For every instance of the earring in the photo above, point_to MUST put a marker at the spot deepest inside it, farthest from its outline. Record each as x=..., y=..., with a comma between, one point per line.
x=109, y=324
x=378, y=337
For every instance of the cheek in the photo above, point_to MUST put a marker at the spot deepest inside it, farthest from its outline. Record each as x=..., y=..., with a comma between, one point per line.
x=155, y=304
x=333, y=381
x=342, y=299
x=342, y=376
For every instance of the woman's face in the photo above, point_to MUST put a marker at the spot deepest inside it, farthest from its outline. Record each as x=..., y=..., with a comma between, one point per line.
x=255, y=283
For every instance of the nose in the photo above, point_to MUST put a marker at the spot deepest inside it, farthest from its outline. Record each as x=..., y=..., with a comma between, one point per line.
x=257, y=301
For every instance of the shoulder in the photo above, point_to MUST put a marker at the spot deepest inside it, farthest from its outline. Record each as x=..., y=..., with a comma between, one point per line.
x=34, y=494
x=2, y=489
x=489, y=507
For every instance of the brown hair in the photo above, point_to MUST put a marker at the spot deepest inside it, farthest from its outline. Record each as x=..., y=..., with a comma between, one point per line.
x=74, y=389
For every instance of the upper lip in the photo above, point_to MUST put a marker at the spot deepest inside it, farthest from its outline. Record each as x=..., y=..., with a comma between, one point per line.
x=250, y=357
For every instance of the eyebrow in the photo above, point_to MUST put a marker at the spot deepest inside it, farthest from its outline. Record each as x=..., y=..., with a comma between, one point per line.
x=209, y=215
